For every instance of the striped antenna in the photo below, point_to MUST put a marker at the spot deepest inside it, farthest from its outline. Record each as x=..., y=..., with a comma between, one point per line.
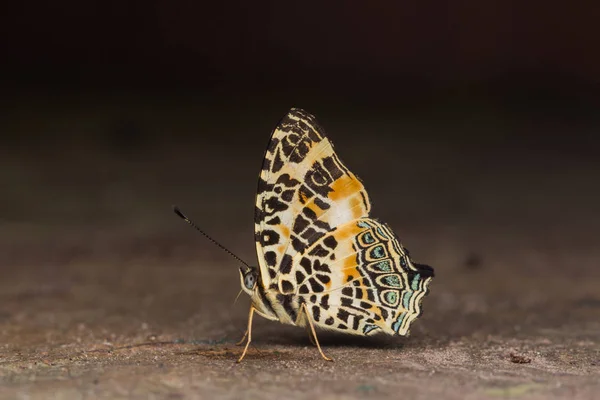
x=189, y=221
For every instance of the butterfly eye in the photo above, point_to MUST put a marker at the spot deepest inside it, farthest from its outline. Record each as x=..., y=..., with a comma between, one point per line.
x=250, y=281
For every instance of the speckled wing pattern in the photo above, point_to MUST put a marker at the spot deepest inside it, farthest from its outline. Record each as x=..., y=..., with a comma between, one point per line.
x=316, y=244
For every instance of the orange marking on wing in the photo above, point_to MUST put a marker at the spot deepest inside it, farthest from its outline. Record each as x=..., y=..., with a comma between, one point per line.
x=344, y=187
x=303, y=197
x=355, y=206
x=315, y=208
x=285, y=231
x=350, y=262
x=343, y=234
x=351, y=272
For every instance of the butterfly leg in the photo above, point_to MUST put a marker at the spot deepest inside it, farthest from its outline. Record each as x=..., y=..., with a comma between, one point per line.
x=249, y=332
x=241, y=342
x=312, y=328
x=310, y=336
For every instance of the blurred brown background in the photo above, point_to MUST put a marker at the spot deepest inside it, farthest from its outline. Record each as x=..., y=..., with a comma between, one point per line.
x=474, y=126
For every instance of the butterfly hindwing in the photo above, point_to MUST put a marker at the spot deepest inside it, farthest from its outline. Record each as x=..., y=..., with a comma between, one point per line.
x=304, y=192
x=359, y=279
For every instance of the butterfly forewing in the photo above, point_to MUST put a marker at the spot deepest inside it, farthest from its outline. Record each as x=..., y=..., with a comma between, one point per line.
x=304, y=191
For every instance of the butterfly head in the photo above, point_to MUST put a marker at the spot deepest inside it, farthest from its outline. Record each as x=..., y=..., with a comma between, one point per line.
x=249, y=279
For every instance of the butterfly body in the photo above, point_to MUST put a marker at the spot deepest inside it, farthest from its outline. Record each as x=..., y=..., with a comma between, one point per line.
x=322, y=259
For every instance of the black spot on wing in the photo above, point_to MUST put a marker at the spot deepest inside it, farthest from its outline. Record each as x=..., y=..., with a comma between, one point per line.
x=343, y=315
x=318, y=180
x=289, y=141
x=287, y=181
x=365, y=305
x=307, y=123
x=269, y=237
x=305, y=263
x=272, y=145
x=286, y=286
x=316, y=313
x=330, y=242
x=266, y=164
x=356, y=321
x=273, y=205
x=286, y=264
x=319, y=266
x=333, y=167
x=287, y=195
x=310, y=214
x=300, y=224
x=304, y=194
x=325, y=302
x=274, y=221
x=263, y=186
x=308, y=234
x=259, y=215
x=271, y=258
x=319, y=251
x=300, y=151
x=315, y=286
x=370, y=295
x=322, y=225
x=322, y=174
x=277, y=162
x=384, y=313
x=321, y=204
x=300, y=277
x=298, y=244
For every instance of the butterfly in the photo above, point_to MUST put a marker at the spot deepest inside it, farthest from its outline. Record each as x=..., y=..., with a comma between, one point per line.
x=322, y=261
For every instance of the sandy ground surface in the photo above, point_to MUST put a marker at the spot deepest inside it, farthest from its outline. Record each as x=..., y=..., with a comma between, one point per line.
x=105, y=294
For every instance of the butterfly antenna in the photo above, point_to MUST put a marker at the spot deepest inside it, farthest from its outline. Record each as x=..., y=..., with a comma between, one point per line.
x=189, y=221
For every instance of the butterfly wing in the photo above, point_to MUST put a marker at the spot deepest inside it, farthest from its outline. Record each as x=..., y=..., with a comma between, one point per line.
x=304, y=192
x=359, y=279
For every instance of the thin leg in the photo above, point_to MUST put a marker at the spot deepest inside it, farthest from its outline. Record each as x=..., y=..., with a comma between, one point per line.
x=310, y=336
x=241, y=342
x=249, y=333
x=312, y=328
